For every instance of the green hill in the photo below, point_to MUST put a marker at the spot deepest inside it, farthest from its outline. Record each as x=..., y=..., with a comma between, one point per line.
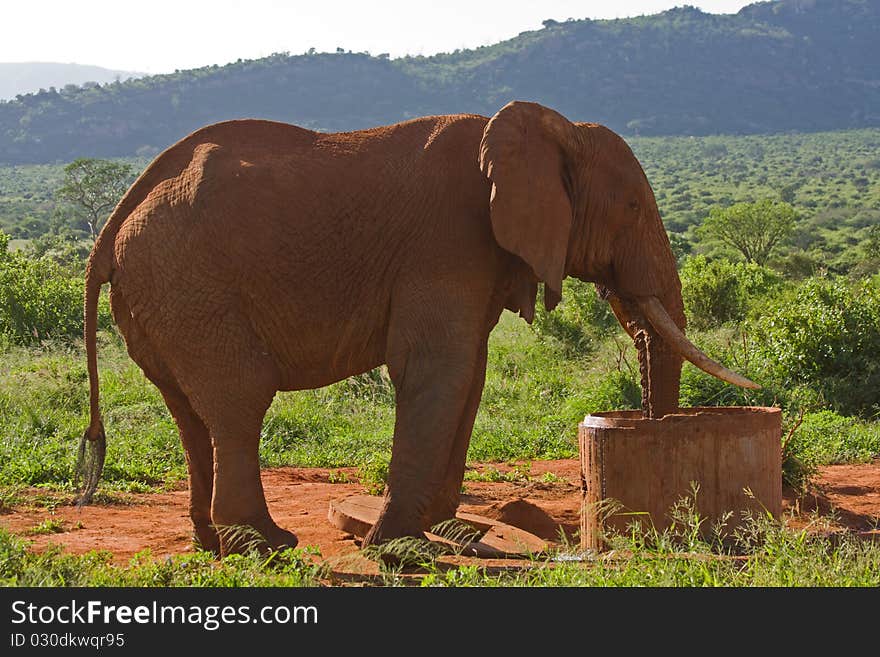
x=832, y=178
x=792, y=65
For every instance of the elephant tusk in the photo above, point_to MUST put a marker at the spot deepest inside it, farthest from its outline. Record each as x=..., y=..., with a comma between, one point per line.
x=666, y=328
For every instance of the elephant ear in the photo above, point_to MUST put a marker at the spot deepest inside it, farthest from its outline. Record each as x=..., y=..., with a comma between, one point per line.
x=523, y=152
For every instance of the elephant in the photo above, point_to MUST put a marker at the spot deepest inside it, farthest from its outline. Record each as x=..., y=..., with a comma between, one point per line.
x=254, y=256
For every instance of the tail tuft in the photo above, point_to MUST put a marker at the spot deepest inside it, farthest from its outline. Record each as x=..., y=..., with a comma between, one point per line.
x=90, y=463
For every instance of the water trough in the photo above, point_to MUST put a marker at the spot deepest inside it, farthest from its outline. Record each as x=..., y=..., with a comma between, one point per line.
x=647, y=465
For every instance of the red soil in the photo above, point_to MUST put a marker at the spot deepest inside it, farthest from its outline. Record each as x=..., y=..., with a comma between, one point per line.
x=845, y=497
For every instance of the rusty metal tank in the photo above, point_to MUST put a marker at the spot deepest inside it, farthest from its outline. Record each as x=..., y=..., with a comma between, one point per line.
x=647, y=465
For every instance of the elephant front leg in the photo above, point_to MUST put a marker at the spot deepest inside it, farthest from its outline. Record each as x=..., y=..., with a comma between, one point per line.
x=433, y=390
x=447, y=498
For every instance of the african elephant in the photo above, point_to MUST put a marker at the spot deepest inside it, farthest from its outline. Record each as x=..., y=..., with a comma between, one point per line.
x=255, y=256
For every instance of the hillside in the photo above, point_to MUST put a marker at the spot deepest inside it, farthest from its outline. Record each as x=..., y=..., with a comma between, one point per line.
x=832, y=178
x=28, y=77
x=792, y=65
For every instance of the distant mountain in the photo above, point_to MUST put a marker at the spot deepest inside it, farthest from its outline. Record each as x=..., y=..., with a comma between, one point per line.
x=29, y=77
x=790, y=65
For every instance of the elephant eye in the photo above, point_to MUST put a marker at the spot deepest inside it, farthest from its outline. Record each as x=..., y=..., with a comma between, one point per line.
x=634, y=205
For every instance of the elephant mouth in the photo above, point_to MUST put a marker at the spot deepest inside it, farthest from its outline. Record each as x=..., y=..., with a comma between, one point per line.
x=655, y=313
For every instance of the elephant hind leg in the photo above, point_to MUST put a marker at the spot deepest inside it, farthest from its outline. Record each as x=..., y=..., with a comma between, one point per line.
x=193, y=432
x=200, y=463
x=232, y=394
x=239, y=505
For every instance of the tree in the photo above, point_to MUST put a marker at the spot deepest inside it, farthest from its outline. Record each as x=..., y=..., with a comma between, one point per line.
x=95, y=187
x=753, y=229
x=788, y=191
x=719, y=291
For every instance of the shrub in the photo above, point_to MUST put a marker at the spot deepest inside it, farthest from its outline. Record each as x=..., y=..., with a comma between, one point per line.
x=753, y=229
x=580, y=319
x=720, y=291
x=827, y=438
x=40, y=298
x=736, y=350
x=826, y=336
x=616, y=390
x=374, y=473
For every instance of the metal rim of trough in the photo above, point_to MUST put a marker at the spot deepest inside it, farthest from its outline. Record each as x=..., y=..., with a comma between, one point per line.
x=633, y=418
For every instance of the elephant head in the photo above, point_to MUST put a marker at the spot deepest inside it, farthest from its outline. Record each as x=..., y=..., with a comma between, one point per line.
x=571, y=199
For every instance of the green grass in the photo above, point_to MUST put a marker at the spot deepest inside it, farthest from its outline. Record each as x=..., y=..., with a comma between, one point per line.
x=48, y=526
x=762, y=553
x=20, y=566
x=43, y=412
x=785, y=559
x=827, y=438
x=518, y=473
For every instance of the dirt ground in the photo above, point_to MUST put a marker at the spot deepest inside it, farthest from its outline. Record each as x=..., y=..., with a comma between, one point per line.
x=298, y=498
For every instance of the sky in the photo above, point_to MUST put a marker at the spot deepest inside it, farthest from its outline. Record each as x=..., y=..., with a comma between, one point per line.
x=159, y=36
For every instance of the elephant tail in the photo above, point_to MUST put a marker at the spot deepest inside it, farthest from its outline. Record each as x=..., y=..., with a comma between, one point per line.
x=93, y=444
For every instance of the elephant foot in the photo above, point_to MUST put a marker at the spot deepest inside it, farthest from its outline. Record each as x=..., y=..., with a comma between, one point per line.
x=443, y=508
x=205, y=538
x=388, y=528
x=280, y=539
x=262, y=537
x=398, y=539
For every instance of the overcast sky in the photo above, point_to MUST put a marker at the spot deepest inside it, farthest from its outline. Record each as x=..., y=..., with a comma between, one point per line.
x=157, y=36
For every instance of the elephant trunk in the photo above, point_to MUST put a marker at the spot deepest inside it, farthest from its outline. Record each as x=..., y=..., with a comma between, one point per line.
x=660, y=363
x=645, y=294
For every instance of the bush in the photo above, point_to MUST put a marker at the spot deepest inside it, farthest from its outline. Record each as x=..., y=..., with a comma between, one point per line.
x=827, y=438
x=753, y=229
x=617, y=390
x=374, y=473
x=798, y=265
x=826, y=336
x=41, y=298
x=737, y=351
x=720, y=291
x=579, y=321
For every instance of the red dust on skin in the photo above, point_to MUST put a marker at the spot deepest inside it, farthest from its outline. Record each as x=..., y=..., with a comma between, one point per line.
x=846, y=496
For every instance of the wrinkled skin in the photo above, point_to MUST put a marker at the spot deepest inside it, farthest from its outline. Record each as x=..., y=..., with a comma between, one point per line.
x=253, y=257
